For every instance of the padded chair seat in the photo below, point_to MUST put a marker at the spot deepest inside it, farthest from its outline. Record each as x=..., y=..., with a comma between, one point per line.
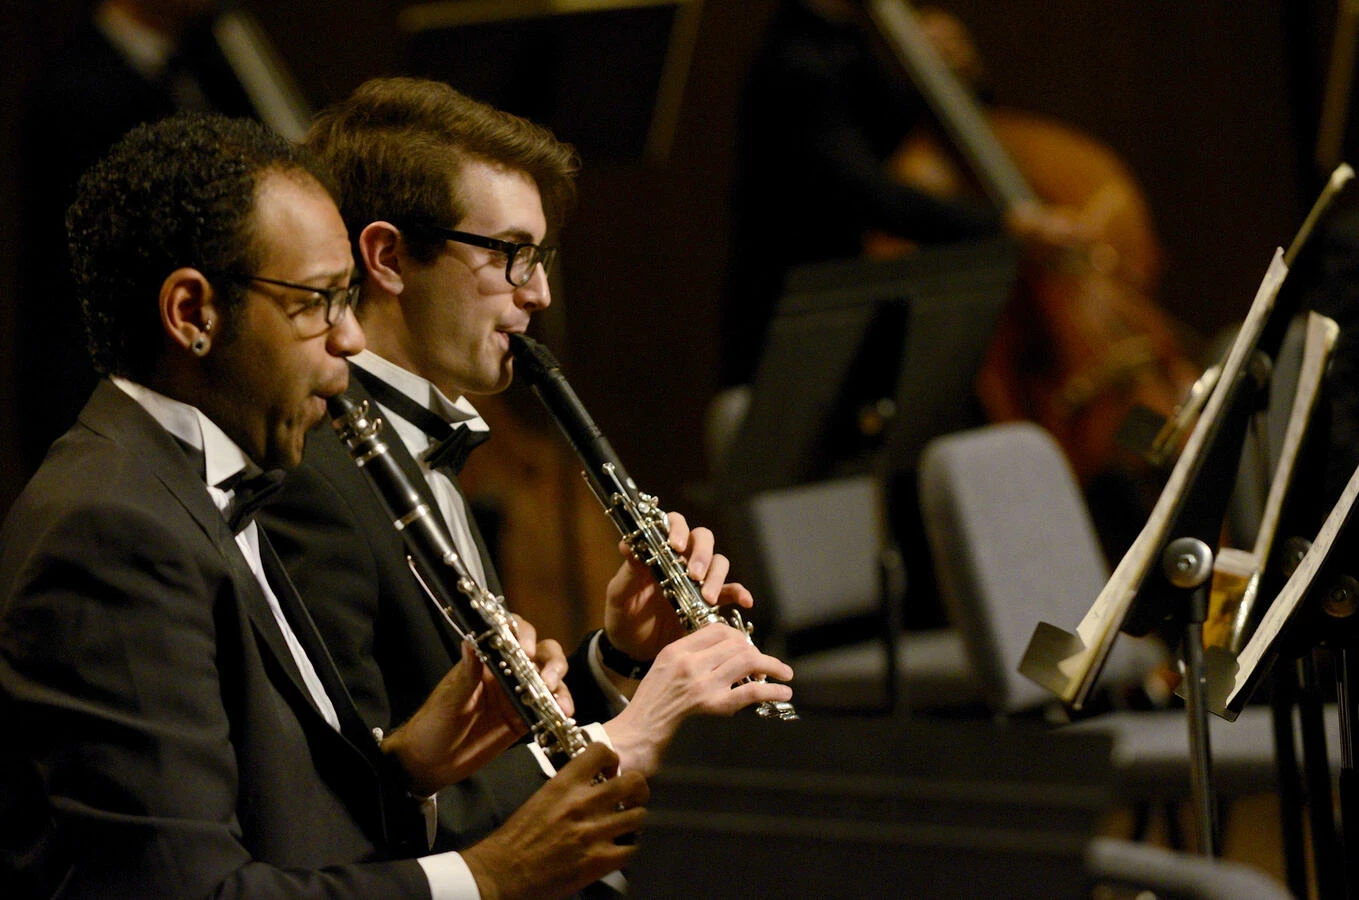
x=1167, y=873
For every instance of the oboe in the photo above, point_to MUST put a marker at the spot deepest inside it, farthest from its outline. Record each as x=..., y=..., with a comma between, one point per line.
x=476, y=614
x=638, y=516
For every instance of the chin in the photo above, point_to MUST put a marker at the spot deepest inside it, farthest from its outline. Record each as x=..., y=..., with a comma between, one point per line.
x=490, y=381
x=285, y=453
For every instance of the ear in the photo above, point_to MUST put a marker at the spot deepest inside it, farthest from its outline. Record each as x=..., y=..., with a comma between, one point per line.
x=378, y=248
x=188, y=310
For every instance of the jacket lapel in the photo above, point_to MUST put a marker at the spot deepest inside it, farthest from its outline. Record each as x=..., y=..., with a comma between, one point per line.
x=119, y=418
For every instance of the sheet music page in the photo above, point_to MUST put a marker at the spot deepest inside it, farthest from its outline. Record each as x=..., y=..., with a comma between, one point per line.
x=1101, y=624
x=1228, y=703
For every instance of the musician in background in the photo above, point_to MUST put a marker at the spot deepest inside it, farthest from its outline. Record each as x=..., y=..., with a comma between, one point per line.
x=131, y=61
x=449, y=203
x=190, y=734
x=822, y=112
x=820, y=116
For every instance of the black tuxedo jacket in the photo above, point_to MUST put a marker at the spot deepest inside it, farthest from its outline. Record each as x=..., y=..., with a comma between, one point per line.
x=349, y=564
x=178, y=750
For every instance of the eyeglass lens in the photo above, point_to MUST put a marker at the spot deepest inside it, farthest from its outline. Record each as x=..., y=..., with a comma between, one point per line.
x=339, y=300
x=525, y=259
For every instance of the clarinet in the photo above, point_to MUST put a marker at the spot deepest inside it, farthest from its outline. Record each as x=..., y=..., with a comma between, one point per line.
x=477, y=615
x=638, y=516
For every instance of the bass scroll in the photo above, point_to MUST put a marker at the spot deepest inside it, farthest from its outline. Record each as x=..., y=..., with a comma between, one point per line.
x=638, y=516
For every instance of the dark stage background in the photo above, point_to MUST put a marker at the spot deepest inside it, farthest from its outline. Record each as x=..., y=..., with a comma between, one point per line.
x=1209, y=102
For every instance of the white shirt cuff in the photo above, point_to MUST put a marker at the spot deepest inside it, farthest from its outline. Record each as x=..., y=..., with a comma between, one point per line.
x=449, y=878
x=594, y=730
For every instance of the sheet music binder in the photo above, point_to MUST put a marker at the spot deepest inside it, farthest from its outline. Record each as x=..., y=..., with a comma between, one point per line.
x=1193, y=503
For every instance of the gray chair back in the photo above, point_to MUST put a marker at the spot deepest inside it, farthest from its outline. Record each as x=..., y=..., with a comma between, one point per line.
x=1012, y=543
x=821, y=549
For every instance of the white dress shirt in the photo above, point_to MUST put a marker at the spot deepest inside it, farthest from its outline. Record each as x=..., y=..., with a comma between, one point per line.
x=452, y=507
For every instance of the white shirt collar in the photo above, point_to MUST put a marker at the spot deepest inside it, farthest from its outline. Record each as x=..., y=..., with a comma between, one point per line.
x=221, y=456
x=422, y=391
x=145, y=49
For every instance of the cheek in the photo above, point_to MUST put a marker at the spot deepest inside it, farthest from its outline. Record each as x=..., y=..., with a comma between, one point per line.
x=289, y=384
x=467, y=329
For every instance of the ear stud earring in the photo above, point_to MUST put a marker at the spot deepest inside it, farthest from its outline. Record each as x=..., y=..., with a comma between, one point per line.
x=200, y=343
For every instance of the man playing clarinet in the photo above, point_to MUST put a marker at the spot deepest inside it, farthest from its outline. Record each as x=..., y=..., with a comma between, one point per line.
x=448, y=203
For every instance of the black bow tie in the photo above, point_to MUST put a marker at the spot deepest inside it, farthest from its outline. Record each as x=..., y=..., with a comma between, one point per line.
x=450, y=452
x=248, y=495
x=452, y=443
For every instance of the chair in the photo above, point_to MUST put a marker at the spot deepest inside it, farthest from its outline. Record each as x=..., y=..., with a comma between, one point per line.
x=833, y=584
x=1012, y=544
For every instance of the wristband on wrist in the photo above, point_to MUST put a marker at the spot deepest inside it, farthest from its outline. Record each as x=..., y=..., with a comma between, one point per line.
x=620, y=663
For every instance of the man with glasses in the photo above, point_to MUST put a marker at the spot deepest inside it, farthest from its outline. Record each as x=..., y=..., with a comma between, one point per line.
x=449, y=203
x=176, y=724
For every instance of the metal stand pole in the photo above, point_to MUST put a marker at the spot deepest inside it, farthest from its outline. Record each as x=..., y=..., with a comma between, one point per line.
x=1188, y=564
x=1347, y=679
x=1282, y=700
x=1317, y=768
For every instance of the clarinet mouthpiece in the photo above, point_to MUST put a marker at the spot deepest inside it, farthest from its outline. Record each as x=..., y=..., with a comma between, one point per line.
x=339, y=406
x=533, y=356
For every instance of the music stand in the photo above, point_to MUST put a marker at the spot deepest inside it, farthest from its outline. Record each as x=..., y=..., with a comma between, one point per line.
x=872, y=807
x=542, y=59
x=1164, y=576
x=849, y=334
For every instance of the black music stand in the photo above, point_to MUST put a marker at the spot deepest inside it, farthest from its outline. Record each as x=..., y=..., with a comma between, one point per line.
x=1316, y=607
x=1164, y=578
x=872, y=807
x=866, y=357
x=865, y=362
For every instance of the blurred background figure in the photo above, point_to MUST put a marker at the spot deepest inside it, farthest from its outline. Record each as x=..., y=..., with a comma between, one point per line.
x=822, y=114
x=849, y=151
x=130, y=61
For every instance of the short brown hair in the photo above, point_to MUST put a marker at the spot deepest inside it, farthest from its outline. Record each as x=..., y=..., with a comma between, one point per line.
x=396, y=149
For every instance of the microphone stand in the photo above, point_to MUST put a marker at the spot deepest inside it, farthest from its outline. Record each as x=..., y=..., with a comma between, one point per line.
x=1163, y=577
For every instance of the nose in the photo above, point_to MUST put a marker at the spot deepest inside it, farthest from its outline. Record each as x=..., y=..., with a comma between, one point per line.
x=345, y=337
x=534, y=294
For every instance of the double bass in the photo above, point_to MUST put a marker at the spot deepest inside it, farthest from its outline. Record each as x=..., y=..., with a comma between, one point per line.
x=1081, y=343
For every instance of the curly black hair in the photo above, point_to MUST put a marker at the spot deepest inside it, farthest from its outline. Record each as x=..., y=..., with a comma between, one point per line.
x=175, y=193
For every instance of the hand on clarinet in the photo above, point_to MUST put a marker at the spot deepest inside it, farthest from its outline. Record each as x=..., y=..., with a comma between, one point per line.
x=565, y=836
x=638, y=618
x=468, y=719
x=693, y=676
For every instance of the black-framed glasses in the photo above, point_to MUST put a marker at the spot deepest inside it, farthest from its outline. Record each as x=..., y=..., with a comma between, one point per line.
x=520, y=259
x=323, y=312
